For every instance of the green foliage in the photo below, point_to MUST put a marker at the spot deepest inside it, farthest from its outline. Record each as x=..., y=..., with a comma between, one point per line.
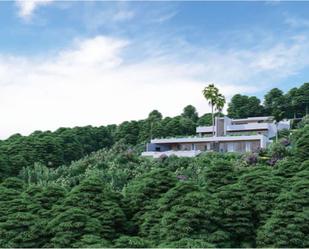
x=183, y=212
x=262, y=187
x=190, y=112
x=274, y=101
x=88, y=187
x=143, y=191
x=293, y=104
x=51, y=148
x=284, y=133
x=277, y=151
x=206, y=119
x=131, y=242
x=114, y=198
x=218, y=174
x=289, y=224
x=20, y=227
x=188, y=243
x=302, y=143
x=70, y=227
x=242, y=106
x=233, y=213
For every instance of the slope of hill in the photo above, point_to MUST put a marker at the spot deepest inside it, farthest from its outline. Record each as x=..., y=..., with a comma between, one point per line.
x=114, y=198
x=88, y=187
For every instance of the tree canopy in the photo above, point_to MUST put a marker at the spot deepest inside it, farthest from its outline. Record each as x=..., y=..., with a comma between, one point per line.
x=88, y=187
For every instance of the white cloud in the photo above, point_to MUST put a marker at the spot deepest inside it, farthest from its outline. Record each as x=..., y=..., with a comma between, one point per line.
x=109, y=15
x=27, y=7
x=93, y=82
x=165, y=17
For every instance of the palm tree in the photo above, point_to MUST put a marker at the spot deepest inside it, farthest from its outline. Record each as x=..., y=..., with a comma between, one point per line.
x=220, y=102
x=216, y=100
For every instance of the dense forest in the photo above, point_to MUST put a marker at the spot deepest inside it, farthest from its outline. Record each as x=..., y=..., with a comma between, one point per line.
x=88, y=186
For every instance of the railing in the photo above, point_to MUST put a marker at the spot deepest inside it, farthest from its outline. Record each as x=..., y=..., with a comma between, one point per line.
x=243, y=127
x=243, y=133
x=203, y=129
x=182, y=137
x=180, y=153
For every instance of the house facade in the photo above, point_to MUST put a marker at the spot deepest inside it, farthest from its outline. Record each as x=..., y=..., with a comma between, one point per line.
x=230, y=135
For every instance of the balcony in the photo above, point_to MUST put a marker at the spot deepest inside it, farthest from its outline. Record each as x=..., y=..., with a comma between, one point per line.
x=179, y=153
x=204, y=129
x=247, y=127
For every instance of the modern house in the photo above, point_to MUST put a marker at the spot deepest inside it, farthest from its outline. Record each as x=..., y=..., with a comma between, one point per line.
x=230, y=135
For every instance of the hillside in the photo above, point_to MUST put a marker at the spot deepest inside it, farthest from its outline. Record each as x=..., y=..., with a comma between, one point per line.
x=114, y=198
x=89, y=187
x=65, y=145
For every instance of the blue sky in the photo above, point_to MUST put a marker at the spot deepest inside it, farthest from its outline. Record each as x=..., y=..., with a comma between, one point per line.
x=78, y=63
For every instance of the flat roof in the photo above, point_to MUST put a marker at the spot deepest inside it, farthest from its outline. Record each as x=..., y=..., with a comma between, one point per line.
x=206, y=139
x=253, y=119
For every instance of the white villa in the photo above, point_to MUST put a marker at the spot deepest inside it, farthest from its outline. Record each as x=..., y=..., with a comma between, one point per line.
x=231, y=135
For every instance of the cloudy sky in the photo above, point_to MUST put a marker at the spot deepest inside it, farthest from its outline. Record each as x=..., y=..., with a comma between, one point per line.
x=79, y=63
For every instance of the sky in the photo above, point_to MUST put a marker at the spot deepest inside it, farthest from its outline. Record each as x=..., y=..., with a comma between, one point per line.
x=75, y=63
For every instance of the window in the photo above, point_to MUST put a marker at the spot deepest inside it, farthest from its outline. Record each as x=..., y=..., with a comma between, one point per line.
x=248, y=146
x=230, y=147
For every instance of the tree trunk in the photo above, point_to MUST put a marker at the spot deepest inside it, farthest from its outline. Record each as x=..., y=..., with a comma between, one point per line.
x=151, y=124
x=277, y=131
x=213, y=120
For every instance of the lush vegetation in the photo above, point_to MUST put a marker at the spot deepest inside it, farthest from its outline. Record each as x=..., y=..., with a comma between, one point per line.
x=293, y=104
x=88, y=187
x=69, y=144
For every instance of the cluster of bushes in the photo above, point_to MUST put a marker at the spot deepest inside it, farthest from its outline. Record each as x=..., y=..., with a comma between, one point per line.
x=88, y=186
x=114, y=198
x=65, y=145
x=293, y=104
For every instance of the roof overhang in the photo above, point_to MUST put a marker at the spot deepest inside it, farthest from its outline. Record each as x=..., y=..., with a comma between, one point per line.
x=207, y=139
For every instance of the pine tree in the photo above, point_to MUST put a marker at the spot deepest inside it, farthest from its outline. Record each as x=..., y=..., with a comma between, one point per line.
x=261, y=187
x=96, y=205
x=289, y=224
x=233, y=214
x=182, y=212
x=20, y=229
x=142, y=193
x=187, y=243
x=219, y=173
x=69, y=227
x=132, y=242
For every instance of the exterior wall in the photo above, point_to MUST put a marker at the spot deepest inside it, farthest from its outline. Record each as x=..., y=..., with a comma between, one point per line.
x=253, y=120
x=248, y=133
x=202, y=146
x=204, y=129
x=175, y=147
x=187, y=146
x=180, y=153
x=197, y=139
x=248, y=127
x=232, y=146
x=206, y=134
x=286, y=124
x=158, y=147
x=219, y=127
x=240, y=146
x=190, y=146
